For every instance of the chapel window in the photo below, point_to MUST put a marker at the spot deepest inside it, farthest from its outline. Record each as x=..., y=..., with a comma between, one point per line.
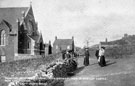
x=3, y=37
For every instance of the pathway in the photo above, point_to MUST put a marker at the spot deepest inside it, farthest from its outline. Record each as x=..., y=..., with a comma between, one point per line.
x=118, y=72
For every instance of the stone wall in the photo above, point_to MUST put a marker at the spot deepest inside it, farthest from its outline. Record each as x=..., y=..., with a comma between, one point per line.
x=52, y=75
x=26, y=56
x=9, y=68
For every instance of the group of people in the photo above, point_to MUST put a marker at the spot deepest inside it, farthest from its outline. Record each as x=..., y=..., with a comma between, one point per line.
x=68, y=55
x=99, y=54
x=71, y=58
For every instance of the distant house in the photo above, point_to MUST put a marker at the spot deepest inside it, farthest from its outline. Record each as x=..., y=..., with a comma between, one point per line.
x=18, y=33
x=108, y=44
x=63, y=44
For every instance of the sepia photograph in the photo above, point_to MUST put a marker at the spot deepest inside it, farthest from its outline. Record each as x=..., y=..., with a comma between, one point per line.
x=67, y=42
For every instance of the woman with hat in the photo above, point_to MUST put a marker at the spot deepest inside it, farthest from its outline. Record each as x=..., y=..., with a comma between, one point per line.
x=86, y=58
x=101, y=59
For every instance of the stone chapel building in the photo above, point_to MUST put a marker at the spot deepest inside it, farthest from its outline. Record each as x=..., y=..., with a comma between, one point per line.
x=19, y=34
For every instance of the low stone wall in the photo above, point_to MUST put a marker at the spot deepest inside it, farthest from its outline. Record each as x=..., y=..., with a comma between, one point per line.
x=9, y=68
x=26, y=56
x=52, y=75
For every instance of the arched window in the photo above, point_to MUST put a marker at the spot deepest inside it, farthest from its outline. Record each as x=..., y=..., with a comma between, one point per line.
x=3, y=37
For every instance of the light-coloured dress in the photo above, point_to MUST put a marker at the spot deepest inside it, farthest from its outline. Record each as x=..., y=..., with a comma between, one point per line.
x=101, y=59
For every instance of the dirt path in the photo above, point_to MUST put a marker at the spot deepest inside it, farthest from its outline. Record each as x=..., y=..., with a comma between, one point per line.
x=118, y=72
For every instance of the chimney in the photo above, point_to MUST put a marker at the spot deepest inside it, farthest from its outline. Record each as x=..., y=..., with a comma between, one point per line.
x=55, y=37
x=72, y=37
x=49, y=42
x=106, y=40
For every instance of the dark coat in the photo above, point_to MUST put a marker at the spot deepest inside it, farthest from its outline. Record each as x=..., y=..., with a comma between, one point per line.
x=97, y=53
x=86, y=58
x=102, y=62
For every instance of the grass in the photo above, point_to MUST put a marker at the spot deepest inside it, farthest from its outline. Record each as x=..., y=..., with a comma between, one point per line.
x=11, y=68
x=121, y=51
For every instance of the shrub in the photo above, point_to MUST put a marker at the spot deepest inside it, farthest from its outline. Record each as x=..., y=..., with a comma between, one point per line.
x=120, y=51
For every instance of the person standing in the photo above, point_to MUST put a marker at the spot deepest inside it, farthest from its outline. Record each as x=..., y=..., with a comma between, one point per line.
x=68, y=55
x=101, y=59
x=86, y=58
x=97, y=53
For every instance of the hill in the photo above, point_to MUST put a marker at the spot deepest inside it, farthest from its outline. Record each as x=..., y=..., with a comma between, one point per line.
x=119, y=48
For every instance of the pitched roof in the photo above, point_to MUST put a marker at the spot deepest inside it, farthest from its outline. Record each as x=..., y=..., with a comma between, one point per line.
x=11, y=15
x=63, y=42
x=37, y=37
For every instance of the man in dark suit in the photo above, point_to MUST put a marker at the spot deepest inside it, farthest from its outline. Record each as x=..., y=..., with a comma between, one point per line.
x=97, y=53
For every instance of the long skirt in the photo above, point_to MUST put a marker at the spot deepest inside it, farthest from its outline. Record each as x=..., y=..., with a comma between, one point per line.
x=102, y=61
x=86, y=61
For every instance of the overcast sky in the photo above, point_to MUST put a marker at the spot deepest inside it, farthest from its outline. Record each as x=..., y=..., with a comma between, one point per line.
x=83, y=19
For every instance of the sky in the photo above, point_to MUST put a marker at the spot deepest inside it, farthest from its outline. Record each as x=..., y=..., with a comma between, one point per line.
x=92, y=20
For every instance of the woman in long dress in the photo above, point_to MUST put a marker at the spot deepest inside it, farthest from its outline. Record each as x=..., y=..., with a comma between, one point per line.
x=101, y=59
x=86, y=58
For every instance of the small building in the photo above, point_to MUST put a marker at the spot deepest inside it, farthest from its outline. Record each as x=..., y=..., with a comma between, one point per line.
x=108, y=44
x=63, y=44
